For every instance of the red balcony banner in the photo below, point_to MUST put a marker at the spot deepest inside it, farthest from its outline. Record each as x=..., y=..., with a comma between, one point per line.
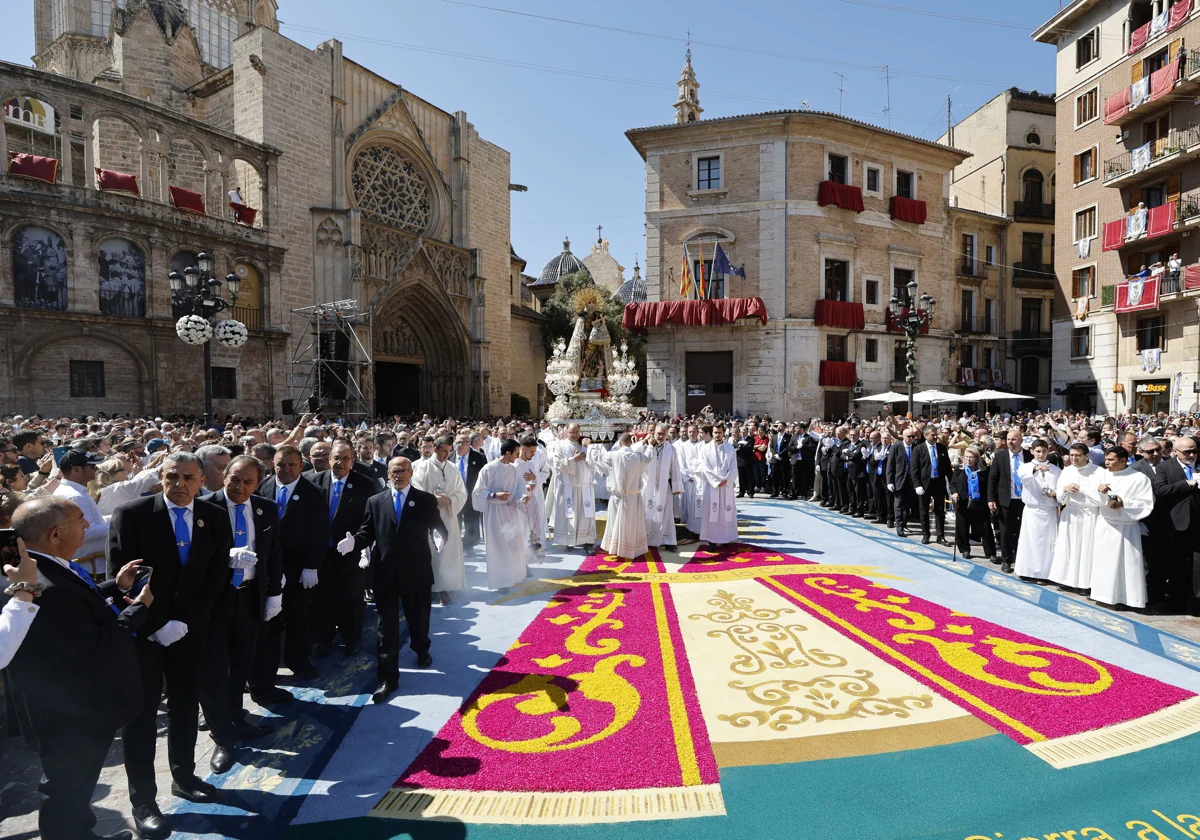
x=1161, y=220
x=1163, y=81
x=182, y=199
x=34, y=166
x=838, y=374
x=1191, y=277
x=892, y=321
x=639, y=317
x=1132, y=299
x=839, y=313
x=1114, y=234
x=1139, y=38
x=243, y=215
x=110, y=181
x=1116, y=106
x=908, y=210
x=1179, y=13
x=844, y=196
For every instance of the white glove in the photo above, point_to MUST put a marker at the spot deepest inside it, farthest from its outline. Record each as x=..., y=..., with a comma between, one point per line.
x=364, y=558
x=346, y=544
x=242, y=558
x=282, y=579
x=274, y=606
x=920, y=491
x=891, y=488
x=308, y=578
x=170, y=633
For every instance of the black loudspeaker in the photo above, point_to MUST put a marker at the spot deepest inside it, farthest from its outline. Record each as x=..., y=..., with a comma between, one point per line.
x=335, y=351
x=314, y=404
x=289, y=407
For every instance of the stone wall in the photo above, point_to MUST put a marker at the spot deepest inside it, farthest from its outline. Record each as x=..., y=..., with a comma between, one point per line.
x=529, y=371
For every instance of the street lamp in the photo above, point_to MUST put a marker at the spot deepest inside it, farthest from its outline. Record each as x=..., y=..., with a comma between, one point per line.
x=198, y=290
x=912, y=319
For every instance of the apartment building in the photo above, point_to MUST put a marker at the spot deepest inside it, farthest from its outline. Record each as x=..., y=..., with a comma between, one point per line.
x=1128, y=91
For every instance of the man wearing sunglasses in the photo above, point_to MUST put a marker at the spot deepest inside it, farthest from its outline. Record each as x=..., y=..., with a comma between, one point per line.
x=1156, y=538
x=1176, y=495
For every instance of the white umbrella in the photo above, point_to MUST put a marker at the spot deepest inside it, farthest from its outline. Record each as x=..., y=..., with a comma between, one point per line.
x=887, y=397
x=934, y=397
x=987, y=395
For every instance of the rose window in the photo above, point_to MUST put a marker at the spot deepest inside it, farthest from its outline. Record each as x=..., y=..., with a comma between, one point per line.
x=389, y=189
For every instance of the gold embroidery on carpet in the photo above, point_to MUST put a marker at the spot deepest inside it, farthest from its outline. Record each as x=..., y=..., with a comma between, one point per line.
x=832, y=697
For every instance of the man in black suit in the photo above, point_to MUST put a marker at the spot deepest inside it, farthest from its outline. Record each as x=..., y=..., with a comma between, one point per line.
x=1004, y=497
x=804, y=462
x=1175, y=492
x=76, y=673
x=876, y=462
x=469, y=462
x=854, y=453
x=779, y=461
x=931, y=463
x=404, y=448
x=901, y=478
x=397, y=526
x=339, y=605
x=303, y=539
x=1156, y=543
x=253, y=596
x=367, y=465
x=186, y=541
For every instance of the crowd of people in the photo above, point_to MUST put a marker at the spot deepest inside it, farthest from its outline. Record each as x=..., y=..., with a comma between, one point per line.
x=151, y=557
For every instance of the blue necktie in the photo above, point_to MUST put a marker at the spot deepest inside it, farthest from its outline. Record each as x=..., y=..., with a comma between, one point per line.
x=462, y=466
x=398, y=505
x=86, y=578
x=1188, y=470
x=335, y=496
x=282, y=499
x=183, y=539
x=933, y=458
x=1016, y=465
x=908, y=452
x=240, y=540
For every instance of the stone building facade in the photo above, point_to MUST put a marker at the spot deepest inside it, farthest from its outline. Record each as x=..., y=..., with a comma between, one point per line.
x=364, y=192
x=1128, y=78
x=757, y=186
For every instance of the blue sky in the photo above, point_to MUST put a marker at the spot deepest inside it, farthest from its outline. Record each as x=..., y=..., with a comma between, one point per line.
x=563, y=114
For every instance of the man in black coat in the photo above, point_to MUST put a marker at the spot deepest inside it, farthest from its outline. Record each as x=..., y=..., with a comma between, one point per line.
x=186, y=541
x=876, y=463
x=303, y=540
x=970, y=505
x=804, y=462
x=931, y=464
x=76, y=674
x=339, y=606
x=779, y=461
x=469, y=462
x=901, y=478
x=855, y=456
x=1175, y=491
x=1004, y=503
x=253, y=596
x=398, y=525
x=1156, y=543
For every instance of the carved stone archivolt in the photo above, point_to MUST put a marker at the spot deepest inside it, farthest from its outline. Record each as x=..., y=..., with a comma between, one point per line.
x=398, y=339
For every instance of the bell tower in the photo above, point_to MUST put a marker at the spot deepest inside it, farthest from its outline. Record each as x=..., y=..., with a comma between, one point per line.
x=687, y=107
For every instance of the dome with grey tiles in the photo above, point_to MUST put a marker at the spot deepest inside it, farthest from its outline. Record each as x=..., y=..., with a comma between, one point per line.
x=560, y=266
x=633, y=290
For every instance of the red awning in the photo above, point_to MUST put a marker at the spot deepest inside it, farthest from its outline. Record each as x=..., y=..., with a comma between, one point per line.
x=1139, y=38
x=844, y=196
x=1179, y=13
x=692, y=313
x=34, y=166
x=1161, y=220
x=1163, y=81
x=1114, y=235
x=110, y=181
x=243, y=215
x=839, y=313
x=1116, y=106
x=1148, y=300
x=189, y=200
x=908, y=210
x=1191, y=277
x=838, y=374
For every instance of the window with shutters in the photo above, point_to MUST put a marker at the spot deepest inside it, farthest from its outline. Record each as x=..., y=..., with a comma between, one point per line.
x=839, y=168
x=1083, y=282
x=1087, y=48
x=1150, y=333
x=1081, y=342
x=905, y=184
x=1085, y=165
x=1085, y=224
x=1154, y=63
x=1087, y=107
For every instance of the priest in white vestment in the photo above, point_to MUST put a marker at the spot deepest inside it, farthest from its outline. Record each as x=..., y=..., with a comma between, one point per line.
x=1072, y=568
x=574, y=513
x=499, y=495
x=683, y=455
x=695, y=512
x=439, y=475
x=625, y=529
x=1125, y=497
x=717, y=466
x=1039, y=520
x=662, y=484
x=534, y=469
x=600, y=480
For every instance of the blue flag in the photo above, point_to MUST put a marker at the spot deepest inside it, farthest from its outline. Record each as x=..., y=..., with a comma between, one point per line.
x=721, y=264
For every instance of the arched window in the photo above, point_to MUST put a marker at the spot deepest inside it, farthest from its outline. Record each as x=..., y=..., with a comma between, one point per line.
x=122, y=270
x=1033, y=138
x=39, y=269
x=1031, y=187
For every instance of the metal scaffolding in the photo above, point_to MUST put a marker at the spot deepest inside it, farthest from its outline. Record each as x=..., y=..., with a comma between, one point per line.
x=317, y=372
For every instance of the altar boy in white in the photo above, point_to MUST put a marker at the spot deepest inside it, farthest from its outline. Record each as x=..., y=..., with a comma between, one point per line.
x=1072, y=567
x=717, y=468
x=500, y=496
x=1038, y=480
x=625, y=530
x=439, y=476
x=1125, y=497
x=662, y=484
x=534, y=469
x=574, y=513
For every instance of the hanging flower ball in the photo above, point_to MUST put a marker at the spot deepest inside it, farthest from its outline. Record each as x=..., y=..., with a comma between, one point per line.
x=193, y=329
x=232, y=333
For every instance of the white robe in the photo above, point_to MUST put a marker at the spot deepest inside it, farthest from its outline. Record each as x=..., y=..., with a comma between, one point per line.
x=491, y=447
x=695, y=511
x=574, y=500
x=1076, y=527
x=625, y=529
x=683, y=463
x=540, y=467
x=718, y=463
x=506, y=531
x=1118, y=566
x=661, y=481
x=1039, y=521
x=441, y=478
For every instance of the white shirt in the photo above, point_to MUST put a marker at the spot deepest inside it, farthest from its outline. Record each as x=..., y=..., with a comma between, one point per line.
x=401, y=494
x=247, y=514
x=291, y=491
x=15, y=620
x=95, y=538
x=187, y=517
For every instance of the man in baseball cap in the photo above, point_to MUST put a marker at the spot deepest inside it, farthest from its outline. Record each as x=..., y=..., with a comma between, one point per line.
x=78, y=467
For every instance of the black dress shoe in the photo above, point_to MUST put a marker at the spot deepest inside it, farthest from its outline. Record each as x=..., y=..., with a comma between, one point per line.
x=1007, y=568
x=323, y=649
x=424, y=660
x=307, y=671
x=996, y=561
x=271, y=694
x=384, y=691
x=943, y=541
x=222, y=760
x=150, y=822
x=196, y=790
x=244, y=730
x=351, y=650
x=925, y=540
x=900, y=532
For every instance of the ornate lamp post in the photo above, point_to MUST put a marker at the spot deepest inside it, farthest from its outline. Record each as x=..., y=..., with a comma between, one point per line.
x=199, y=290
x=912, y=320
